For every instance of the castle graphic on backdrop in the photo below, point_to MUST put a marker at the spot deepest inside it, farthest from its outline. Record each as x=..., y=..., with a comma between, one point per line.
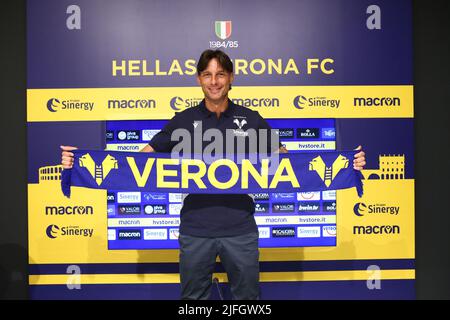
x=391, y=167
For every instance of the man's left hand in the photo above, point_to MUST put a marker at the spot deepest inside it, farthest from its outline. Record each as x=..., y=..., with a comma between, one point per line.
x=360, y=160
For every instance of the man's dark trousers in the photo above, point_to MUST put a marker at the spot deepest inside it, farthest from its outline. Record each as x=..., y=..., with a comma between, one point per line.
x=239, y=256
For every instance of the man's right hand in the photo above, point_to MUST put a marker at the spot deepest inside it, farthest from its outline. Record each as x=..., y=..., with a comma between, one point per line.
x=147, y=148
x=67, y=156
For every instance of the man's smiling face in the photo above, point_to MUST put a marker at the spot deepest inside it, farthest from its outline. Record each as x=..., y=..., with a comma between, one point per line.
x=215, y=82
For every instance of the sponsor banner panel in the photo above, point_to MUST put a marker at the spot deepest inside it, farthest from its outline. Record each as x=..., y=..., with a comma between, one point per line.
x=380, y=225
x=270, y=101
x=75, y=230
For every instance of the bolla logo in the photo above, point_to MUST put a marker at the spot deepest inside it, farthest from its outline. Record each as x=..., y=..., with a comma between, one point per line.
x=73, y=21
x=327, y=174
x=98, y=172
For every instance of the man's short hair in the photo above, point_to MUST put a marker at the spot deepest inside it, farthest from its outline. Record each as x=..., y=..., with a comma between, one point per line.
x=221, y=57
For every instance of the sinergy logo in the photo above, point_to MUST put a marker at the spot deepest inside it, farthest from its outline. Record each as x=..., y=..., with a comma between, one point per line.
x=54, y=105
x=360, y=209
x=301, y=102
x=53, y=231
x=178, y=103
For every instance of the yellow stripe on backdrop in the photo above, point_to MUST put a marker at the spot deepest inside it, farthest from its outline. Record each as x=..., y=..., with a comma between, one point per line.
x=175, y=278
x=271, y=101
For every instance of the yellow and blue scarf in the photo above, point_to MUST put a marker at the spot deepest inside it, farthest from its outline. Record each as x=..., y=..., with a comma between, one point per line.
x=153, y=172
